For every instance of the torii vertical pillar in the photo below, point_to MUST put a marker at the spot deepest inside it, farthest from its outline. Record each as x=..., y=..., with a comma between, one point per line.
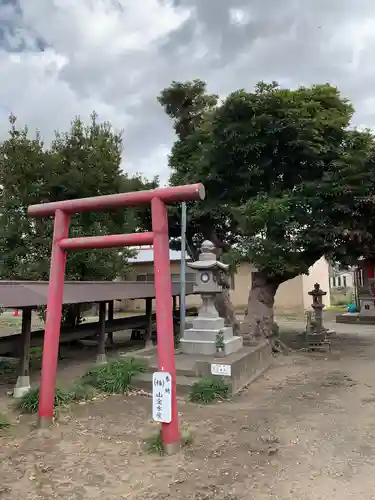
x=164, y=315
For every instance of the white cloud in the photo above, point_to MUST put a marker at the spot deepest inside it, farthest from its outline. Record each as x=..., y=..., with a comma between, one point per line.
x=239, y=16
x=34, y=92
x=114, y=56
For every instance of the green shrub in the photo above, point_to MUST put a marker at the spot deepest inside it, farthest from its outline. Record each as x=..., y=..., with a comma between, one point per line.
x=30, y=401
x=115, y=376
x=209, y=389
x=36, y=351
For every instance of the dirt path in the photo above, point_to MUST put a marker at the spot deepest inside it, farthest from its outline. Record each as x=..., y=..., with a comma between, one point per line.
x=304, y=431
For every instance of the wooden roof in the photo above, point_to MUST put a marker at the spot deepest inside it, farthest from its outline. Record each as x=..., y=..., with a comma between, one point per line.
x=18, y=294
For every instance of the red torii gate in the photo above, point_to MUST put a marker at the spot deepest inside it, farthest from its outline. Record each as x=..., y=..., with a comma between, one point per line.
x=62, y=210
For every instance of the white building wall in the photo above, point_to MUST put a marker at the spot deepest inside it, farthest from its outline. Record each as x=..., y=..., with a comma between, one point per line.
x=318, y=273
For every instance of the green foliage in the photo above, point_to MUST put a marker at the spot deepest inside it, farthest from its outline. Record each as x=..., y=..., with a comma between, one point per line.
x=4, y=422
x=285, y=177
x=209, y=389
x=115, y=376
x=83, y=162
x=29, y=402
x=220, y=340
x=154, y=444
x=79, y=392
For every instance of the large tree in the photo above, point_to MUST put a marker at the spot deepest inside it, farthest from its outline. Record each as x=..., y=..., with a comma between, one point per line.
x=284, y=178
x=83, y=162
x=191, y=108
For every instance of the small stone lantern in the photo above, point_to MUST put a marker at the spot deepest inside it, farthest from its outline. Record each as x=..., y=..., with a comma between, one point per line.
x=318, y=306
x=209, y=335
x=208, y=271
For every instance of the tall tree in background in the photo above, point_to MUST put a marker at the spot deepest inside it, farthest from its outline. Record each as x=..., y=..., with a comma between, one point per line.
x=83, y=162
x=284, y=179
x=191, y=109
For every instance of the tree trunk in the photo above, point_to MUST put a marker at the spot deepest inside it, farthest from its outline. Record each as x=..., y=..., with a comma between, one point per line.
x=259, y=319
x=225, y=309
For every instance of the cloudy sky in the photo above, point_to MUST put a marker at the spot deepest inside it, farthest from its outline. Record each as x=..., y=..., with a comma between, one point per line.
x=61, y=58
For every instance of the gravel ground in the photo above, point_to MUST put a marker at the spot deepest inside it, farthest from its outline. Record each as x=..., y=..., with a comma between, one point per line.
x=303, y=431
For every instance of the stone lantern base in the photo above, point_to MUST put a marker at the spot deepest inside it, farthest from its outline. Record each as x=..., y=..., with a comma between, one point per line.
x=203, y=338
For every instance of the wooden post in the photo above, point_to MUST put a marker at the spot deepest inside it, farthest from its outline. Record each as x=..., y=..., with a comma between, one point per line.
x=101, y=356
x=23, y=379
x=148, y=339
x=110, y=318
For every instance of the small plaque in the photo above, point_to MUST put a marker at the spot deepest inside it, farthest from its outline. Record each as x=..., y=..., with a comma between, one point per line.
x=223, y=370
x=162, y=397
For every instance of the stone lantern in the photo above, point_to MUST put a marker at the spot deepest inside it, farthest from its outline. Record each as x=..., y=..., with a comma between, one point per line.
x=208, y=335
x=318, y=306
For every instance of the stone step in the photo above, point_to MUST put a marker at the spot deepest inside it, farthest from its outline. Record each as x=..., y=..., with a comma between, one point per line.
x=180, y=372
x=144, y=381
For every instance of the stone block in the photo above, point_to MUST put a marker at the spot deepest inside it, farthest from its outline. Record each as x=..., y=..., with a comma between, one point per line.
x=22, y=386
x=202, y=323
x=208, y=348
x=197, y=347
x=209, y=335
x=246, y=365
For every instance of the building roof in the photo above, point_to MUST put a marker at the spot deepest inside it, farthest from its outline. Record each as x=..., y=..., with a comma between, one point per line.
x=18, y=294
x=146, y=254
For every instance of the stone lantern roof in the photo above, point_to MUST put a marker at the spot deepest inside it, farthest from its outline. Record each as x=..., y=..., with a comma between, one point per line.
x=317, y=291
x=207, y=259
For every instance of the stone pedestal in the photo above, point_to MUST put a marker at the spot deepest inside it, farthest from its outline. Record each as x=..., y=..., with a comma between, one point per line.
x=22, y=386
x=203, y=337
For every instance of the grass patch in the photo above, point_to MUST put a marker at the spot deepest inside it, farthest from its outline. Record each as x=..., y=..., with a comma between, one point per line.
x=4, y=422
x=115, y=376
x=155, y=446
x=209, y=389
x=30, y=401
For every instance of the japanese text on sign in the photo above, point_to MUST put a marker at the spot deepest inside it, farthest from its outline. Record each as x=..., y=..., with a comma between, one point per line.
x=162, y=397
x=225, y=370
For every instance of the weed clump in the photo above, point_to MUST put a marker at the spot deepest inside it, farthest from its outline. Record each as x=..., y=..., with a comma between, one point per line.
x=30, y=400
x=155, y=446
x=209, y=389
x=115, y=376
